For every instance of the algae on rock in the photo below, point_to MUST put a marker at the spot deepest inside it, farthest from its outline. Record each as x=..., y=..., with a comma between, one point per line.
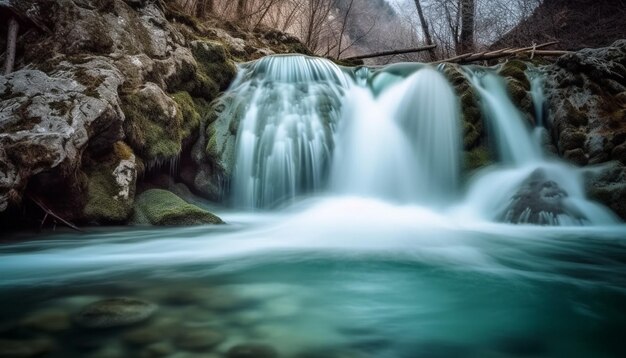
x=161, y=207
x=111, y=186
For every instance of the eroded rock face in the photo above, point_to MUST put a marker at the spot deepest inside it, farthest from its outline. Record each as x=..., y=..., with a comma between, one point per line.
x=113, y=89
x=586, y=93
x=607, y=184
x=538, y=201
x=47, y=121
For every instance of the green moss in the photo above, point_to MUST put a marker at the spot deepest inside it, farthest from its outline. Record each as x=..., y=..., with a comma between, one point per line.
x=161, y=207
x=104, y=203
x=148, y=131
x=214, y=63
x=515, y=69
x=477, y=158
x=187, y=112
x=471, y=135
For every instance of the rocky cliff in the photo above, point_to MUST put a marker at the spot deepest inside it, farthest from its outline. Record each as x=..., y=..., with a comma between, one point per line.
x=106, y=92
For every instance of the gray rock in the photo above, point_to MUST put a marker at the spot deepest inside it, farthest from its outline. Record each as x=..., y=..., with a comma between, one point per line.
x=607, y=184
x=47, y=120
x=538, y=201
x=114, y=312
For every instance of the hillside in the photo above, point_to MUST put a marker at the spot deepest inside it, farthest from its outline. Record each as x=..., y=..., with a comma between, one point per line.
x=574, y=23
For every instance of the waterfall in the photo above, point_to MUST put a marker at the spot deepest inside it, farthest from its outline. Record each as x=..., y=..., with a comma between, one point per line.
x=402, y=145
x=512, y=136
x=371, y=155
x=305, y=125
x=427, y=110
x=525, y=188
x=285, y=133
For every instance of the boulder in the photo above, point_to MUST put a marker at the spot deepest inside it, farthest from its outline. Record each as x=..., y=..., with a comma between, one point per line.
x=46, y=121
x=539, y=200
x=585, y=93
x=111, y=186
x=607, y=184
x=161, y=207
x=114, y=312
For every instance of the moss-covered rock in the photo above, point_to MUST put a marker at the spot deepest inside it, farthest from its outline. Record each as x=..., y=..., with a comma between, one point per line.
x=161, y=207
x=477, y=158
x=188, y=113
x=215, y=70
x=111, y=186
x=473, y=133
x=153, y=125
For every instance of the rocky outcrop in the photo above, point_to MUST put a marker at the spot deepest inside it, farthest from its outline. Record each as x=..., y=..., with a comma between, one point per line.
x=586, y=94
x=109, y=91
x=539, y=201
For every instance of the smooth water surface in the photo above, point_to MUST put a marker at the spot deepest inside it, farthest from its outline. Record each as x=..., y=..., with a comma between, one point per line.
x=335, y=277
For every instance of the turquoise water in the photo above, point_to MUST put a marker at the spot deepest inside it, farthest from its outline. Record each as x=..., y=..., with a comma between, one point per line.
x=336, y=277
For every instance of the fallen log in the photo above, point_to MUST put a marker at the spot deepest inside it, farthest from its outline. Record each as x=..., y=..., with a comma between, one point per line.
x=503, y=53
x=390, y=53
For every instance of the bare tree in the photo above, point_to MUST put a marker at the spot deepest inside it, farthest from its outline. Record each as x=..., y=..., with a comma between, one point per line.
x=425, y=29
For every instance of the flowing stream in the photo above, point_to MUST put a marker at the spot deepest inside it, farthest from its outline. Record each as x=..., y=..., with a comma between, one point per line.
x=354, y=231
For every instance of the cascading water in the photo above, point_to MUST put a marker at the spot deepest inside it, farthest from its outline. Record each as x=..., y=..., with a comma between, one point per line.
x=371, y=155
x=398, y=139
x=525, y=187
x=426, y=108
x=350, y=275
x=512, y=137
x=285, y=132
x=402, y=145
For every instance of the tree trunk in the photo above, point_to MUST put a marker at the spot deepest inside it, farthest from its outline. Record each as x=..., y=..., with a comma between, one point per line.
x=9, y=61
x=425, y=29
x=204, y=7
x=241, y=9
x=466, y=41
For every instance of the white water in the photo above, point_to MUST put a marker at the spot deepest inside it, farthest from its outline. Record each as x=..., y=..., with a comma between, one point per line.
x=285, y=135
x=512, y=135
x=401, y=146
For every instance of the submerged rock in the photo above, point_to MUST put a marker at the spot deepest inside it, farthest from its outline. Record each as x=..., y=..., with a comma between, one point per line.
x=199, y=340
x=47, y=321
x=252, y=350
x=538, y=201
x=161, y=207
x=114, y=312
x=25, y=348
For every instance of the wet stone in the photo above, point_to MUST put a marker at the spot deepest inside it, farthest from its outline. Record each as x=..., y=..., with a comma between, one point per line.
x=199, y=340
x=47, y=321
x=114, y=312
x=143, y=336
x=157, y=350
x=25, y=348
x=252, y=350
